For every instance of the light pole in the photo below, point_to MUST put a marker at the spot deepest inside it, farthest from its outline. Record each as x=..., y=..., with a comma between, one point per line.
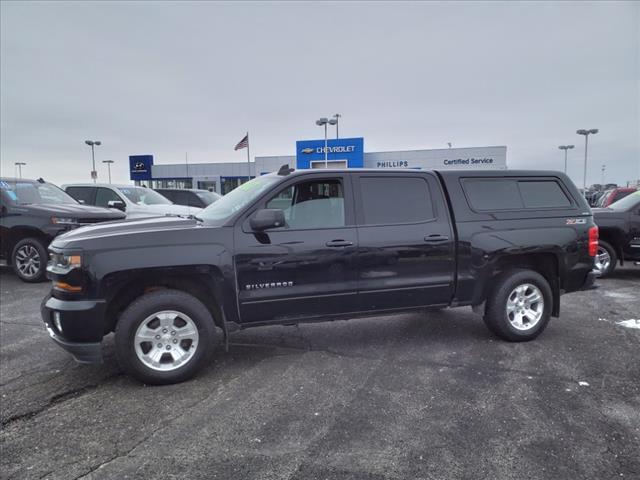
x=565, y=148
x=108, y=162
x=91, y=143
x=19, y=165
x=586, y=134
x=337, y=117
x=324, y=122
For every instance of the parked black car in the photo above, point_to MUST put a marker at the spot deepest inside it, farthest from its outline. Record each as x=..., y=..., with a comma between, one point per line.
x=619, y=226
x=320, y=245
x=190, y=197
x=33, y=212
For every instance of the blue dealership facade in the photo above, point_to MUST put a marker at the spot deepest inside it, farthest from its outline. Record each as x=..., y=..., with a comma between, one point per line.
x=223, y=177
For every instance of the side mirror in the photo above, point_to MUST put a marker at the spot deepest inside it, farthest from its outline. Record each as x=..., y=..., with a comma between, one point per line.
x=119, y=204
x=267, y=218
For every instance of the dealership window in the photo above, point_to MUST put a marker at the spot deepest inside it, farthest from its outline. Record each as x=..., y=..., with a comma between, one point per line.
x=317, y=204
x=388, y=200
x=170, y=183
x=230, y=183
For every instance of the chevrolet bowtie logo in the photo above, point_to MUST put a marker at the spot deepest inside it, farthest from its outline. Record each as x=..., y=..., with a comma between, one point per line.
x=308, y=150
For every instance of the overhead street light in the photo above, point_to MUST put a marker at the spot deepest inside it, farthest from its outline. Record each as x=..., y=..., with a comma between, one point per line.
x=565, y=148
x=108, y=162
x=19, y=165
x=93, y=143
x=324, y=122
x=337, y=116
x=586, y=134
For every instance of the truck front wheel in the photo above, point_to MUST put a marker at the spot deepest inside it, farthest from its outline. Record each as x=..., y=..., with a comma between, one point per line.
x=519, y=306
x=164, y=337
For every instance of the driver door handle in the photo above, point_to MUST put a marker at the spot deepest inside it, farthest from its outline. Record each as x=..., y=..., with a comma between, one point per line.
x=339, y=243
x=436, y=238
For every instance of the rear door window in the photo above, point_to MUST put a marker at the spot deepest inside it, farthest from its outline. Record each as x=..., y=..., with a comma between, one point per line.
x=105, y=195
x=82, y=194
x=390, y=200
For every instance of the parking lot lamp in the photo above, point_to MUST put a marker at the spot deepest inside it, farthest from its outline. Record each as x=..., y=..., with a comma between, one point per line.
x=337, y=117
x=93, y=143
x=19, y=165
x=324, y=122
x=565, y=148
x=108, y=162
x=586, y=134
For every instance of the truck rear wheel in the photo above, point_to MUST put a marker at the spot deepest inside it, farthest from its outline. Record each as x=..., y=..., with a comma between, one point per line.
x=165, y=337
x=606, y=259
x=519, y=306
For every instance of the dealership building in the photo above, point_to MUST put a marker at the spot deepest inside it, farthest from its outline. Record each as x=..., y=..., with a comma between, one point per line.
x=310, y=154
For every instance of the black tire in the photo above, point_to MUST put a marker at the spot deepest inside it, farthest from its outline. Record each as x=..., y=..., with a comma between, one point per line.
x=613, y=258
x=496, y=317
x=153, y=303
x=27, y=249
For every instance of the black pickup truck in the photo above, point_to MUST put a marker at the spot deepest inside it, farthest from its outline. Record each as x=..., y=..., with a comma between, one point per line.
x=32, y=213
x=318, y=245
x=619, y=227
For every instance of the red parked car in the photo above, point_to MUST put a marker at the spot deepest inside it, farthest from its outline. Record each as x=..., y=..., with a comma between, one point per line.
x=614, y=195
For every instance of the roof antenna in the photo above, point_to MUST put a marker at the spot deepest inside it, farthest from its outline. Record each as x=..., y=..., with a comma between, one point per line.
x=41, y=180
x=285, y=170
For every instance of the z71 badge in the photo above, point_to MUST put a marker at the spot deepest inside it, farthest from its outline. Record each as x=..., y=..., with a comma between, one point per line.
x=576, y=221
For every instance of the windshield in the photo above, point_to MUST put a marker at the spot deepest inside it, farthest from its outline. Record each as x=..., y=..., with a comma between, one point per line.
x=25, y=193
x=144, y=196
x=238, y=198
x=208, y=197
x=626, y=203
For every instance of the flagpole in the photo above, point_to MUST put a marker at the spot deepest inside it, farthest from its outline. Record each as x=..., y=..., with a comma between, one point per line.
x=248, y=159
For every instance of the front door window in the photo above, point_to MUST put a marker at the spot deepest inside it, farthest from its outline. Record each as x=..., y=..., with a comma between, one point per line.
x=312, y=204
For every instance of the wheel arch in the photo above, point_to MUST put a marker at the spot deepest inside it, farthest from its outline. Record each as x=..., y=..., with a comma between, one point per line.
x=615, y=238
x=546, y=264
x=17, y=234
x=205, y=282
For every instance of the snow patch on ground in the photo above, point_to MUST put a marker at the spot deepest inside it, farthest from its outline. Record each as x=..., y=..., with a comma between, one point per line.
x=632, y=323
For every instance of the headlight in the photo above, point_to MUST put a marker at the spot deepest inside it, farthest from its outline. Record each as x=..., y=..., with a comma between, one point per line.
x=61, y=263
x=64, y=220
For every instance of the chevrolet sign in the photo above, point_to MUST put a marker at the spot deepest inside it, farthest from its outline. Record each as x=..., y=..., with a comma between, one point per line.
x=350, y=150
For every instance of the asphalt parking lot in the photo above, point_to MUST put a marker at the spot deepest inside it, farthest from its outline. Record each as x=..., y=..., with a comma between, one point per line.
x=414, y=396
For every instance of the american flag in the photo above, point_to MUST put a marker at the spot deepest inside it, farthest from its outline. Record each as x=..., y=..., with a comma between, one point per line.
x=244, y=143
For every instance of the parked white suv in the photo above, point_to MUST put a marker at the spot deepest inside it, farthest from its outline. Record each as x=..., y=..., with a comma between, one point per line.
x=136, y=202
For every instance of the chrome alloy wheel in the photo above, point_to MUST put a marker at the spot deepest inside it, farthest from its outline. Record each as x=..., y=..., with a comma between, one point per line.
x=28, y=261
x=166, y=340
x=603, y=260
x=525, y=306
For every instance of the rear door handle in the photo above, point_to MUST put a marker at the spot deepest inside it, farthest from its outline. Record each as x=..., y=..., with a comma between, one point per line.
x=436, y=238
x=339, y=243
